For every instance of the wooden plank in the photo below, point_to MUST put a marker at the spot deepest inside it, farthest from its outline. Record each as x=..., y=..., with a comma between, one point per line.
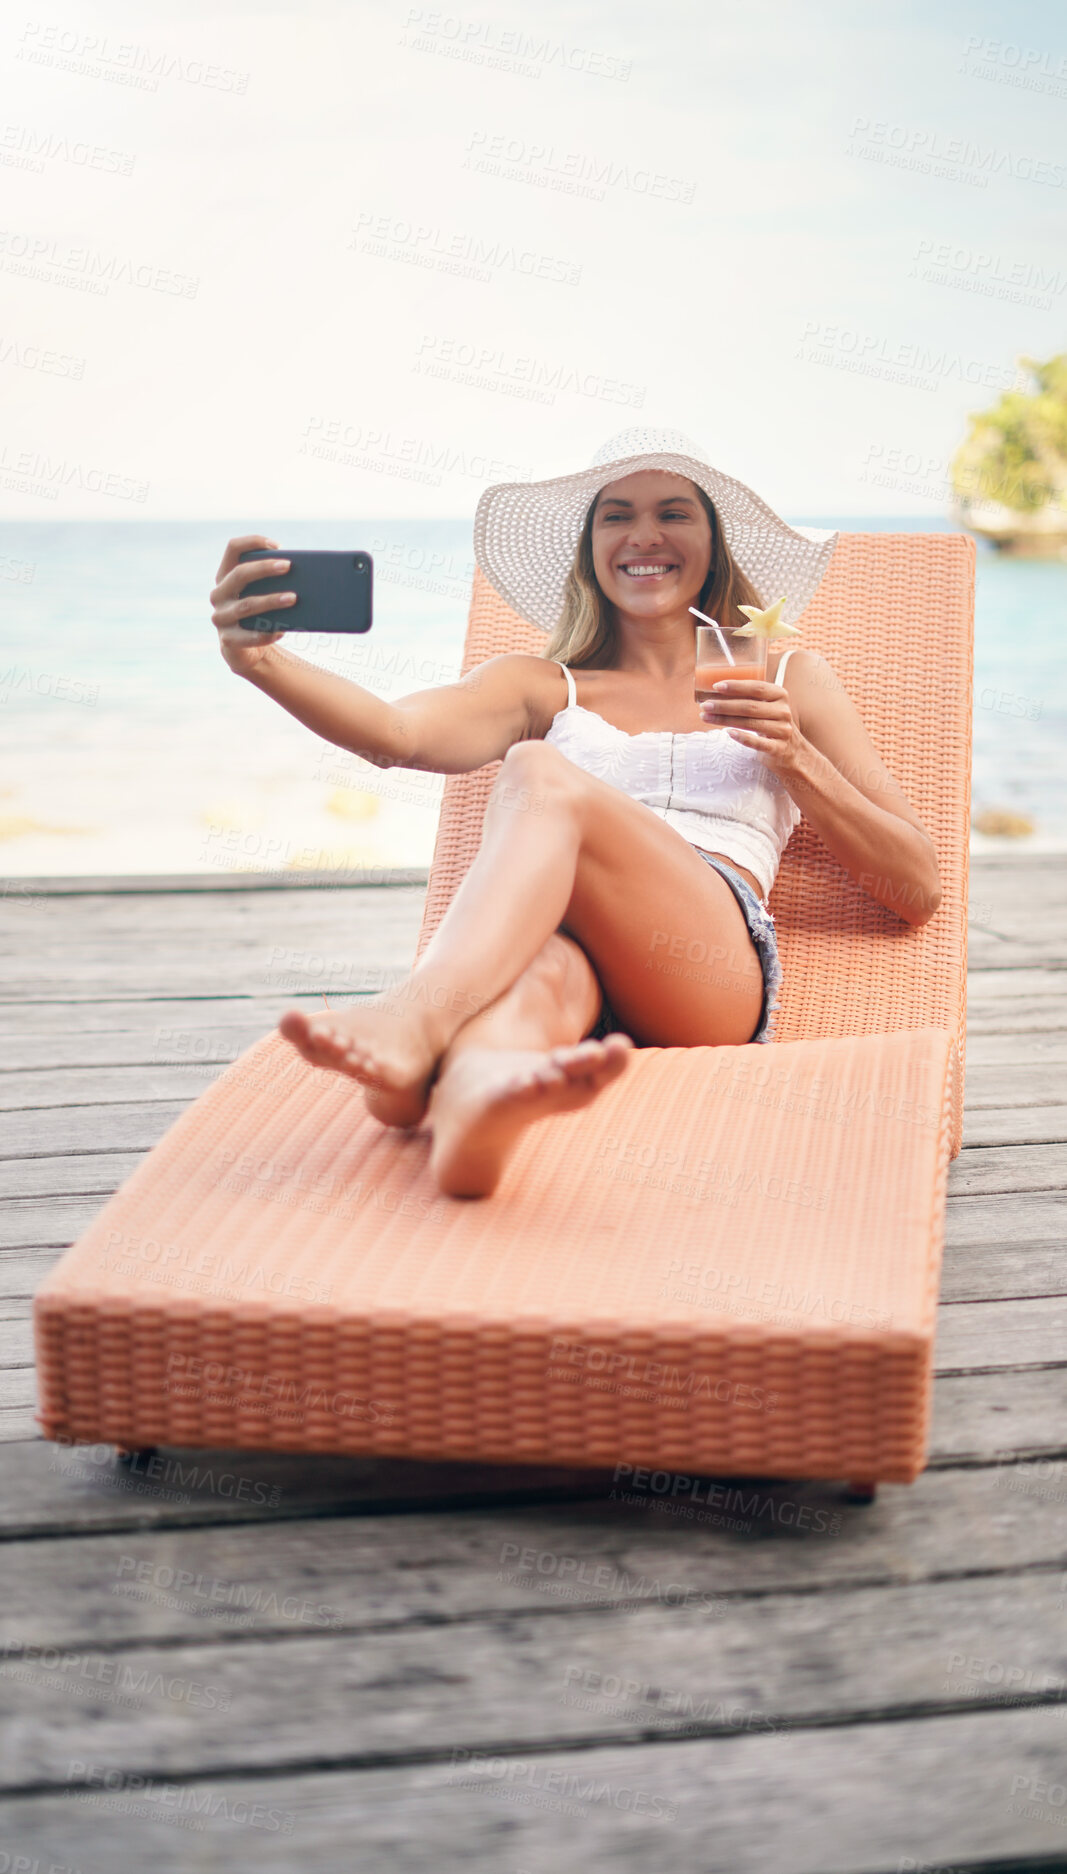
x=232, y=906
x=91, y=925
x=1008, y=1050
x=1038, y=1083
x=155, y=970
x=993, y=1334
x=48, y=1489
x=79, y=1175
x=1016, y=914
x=18, y=1390
x=503, y=1683
x=988, y=949
x=374, y=1574
x=208, y=1040
x=1022, y=1414
x=108, y=1129
x=802, y=1802
x=985, y=1170
x=1013, y=901
x=81, y=1026
x=153, y=885
x=992, y=1273
x=352, y=961
x=18, y=1406
x=276, y=942
x=232, y=963
x=16, y=1333
x=1004, y=1246
x=1016, y=1001
x=48, y=1224
x=1007, y=1219
x=100, y=1087
x=1015, y=1125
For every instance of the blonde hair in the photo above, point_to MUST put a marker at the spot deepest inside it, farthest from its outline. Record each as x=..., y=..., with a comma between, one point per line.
x=585, y=634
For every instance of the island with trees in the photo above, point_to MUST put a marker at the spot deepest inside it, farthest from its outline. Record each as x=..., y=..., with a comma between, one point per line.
x=1009, y=477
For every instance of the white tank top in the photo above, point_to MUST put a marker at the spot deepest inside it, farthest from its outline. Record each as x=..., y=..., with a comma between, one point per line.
x=714, y=791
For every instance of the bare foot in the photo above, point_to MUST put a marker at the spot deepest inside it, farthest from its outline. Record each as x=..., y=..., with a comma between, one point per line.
x=391, y=1046
x=487, y=1096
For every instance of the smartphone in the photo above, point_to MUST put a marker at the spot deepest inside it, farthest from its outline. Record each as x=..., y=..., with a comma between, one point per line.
x=333, y=591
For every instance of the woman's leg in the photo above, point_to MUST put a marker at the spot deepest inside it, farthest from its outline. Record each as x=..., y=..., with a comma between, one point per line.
x=511, y=900
x=519, y=1060
x=560, y=848
x=555, y=1001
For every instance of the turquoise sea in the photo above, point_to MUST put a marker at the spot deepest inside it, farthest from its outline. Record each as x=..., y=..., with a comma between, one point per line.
x=128, y=747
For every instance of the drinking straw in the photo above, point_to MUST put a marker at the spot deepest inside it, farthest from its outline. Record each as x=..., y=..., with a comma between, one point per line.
x=730, y=658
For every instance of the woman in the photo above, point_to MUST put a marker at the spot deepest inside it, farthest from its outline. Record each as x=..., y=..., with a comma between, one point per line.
x=628, y=827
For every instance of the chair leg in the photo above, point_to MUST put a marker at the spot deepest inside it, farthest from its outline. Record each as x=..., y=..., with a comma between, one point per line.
x=860, y=1492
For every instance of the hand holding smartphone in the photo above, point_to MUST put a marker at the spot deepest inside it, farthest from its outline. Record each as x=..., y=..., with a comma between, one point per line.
x=333, y=590
x=331, y=706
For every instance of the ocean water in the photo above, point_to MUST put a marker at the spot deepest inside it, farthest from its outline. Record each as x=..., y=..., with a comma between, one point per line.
x=127, y=746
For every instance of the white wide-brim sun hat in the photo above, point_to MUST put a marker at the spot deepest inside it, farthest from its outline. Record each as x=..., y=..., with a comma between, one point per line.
x=526, y=533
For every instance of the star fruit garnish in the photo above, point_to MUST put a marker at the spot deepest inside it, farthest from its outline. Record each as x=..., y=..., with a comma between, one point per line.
x=766, y=624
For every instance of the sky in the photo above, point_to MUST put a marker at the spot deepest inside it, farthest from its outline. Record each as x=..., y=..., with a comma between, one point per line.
x=262, y=261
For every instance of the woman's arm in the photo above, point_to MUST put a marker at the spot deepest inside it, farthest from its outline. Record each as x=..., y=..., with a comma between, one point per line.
x=448, y=730
x=814, y=738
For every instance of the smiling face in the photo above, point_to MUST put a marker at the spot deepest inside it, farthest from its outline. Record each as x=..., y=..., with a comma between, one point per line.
x=651, y=542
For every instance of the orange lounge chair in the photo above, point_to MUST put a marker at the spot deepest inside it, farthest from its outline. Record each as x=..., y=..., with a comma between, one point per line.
x=728, y=1264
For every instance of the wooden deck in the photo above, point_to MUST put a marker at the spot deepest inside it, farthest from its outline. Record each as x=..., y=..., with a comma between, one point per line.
x=340, y=1664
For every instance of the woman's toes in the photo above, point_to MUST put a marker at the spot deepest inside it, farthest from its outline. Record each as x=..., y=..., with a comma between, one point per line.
x=583, y=1059
x=617, y=1047
x=302, y=1034
x=547, y=1074
x=529, y=1078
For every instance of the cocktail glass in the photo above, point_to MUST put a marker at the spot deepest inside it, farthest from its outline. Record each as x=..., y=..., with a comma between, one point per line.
x=721, y=653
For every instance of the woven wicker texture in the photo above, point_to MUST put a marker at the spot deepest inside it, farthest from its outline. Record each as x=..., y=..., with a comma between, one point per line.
x=729, y=1263
x=850, y=966
x=710, y=1267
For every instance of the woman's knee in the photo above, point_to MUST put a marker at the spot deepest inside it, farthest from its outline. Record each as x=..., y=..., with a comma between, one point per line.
x=534, y=775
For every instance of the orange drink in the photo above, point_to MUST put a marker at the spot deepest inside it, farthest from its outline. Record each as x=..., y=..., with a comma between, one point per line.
x=723, y=654
x=707, y=674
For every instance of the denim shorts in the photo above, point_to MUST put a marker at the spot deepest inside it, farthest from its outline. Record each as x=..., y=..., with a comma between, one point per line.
x=761, y=930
